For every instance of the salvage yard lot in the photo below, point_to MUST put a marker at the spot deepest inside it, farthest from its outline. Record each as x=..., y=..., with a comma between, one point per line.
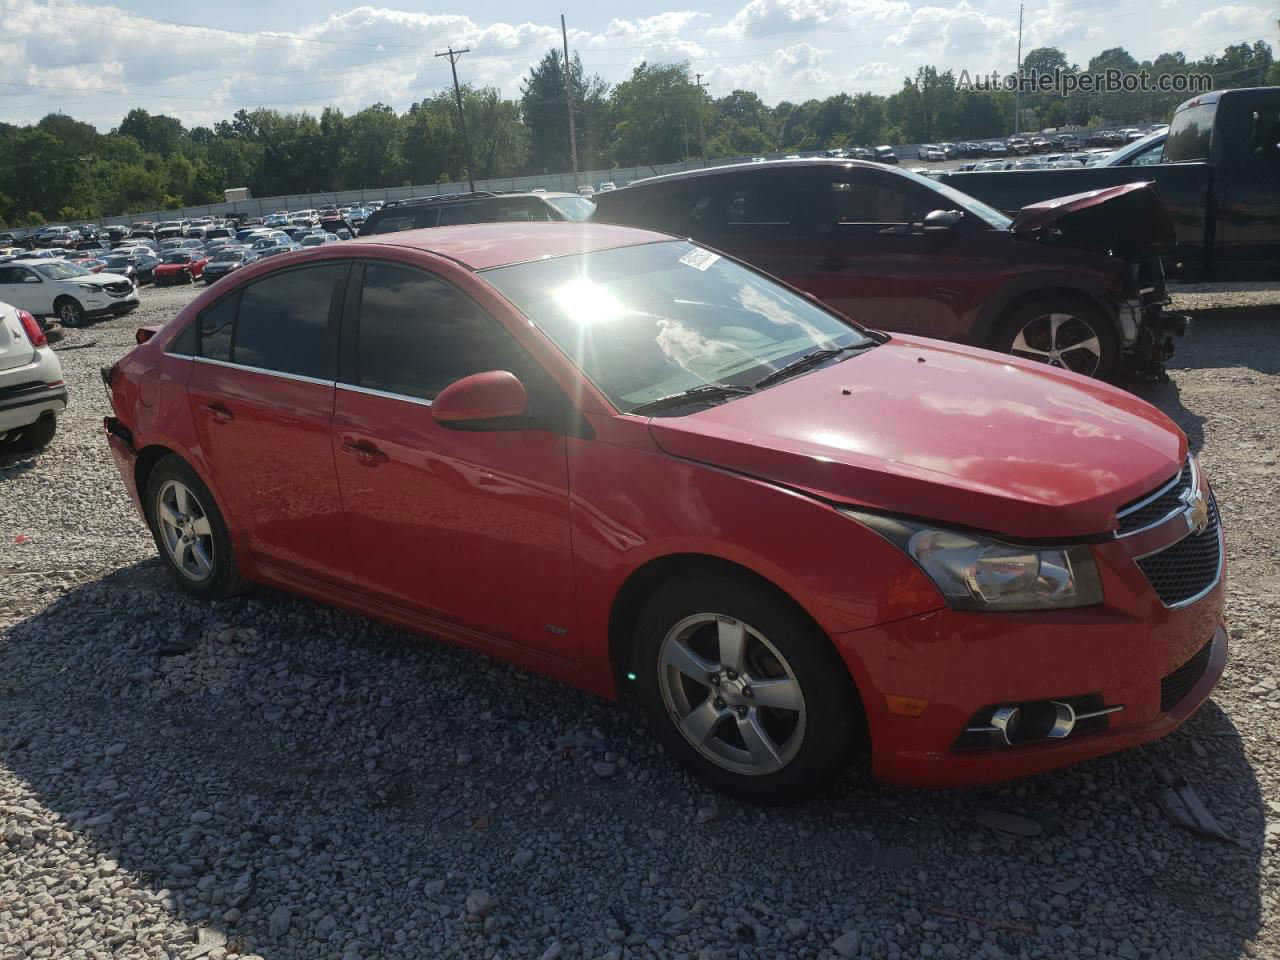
x=272, y=776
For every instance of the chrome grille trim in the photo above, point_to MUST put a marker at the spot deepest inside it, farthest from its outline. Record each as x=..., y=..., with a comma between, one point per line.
x=1190, y=469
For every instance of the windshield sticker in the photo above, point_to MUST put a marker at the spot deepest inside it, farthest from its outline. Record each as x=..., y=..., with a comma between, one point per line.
x=699, y=259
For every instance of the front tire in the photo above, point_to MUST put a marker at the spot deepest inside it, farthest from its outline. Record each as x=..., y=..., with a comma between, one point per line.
x=743, y=691
x=70, y=312
x=1061, y=332
x=190, y=532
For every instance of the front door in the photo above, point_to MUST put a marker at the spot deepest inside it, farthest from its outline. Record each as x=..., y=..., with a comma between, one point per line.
x=1249, y=198
x=468, y=526
x=878, y=267
x=261, y=396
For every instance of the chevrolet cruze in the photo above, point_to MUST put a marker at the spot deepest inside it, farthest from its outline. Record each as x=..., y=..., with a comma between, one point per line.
x=625, y=460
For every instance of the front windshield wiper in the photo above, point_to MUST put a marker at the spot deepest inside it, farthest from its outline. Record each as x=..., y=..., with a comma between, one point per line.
x=801, y=364
x=705, y=392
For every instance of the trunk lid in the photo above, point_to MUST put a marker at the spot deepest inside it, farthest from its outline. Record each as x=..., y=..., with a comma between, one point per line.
x=15, y=349
x=1129, y=219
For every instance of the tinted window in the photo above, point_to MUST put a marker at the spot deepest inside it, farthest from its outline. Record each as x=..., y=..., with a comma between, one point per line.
x=185, y=344
x=1263, y=148
x=417, y=335
x=216, y=325
x=1190, y=134
x=12, y=274
x=870, y=203
x=284, y=321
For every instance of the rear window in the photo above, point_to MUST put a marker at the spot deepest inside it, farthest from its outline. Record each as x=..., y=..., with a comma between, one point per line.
x=1190, y=134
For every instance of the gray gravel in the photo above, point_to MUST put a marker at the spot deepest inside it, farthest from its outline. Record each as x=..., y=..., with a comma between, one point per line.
x=271, y=777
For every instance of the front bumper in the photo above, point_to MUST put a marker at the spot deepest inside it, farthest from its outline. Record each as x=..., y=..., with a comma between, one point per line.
x=977, y=661
x=1157, y=662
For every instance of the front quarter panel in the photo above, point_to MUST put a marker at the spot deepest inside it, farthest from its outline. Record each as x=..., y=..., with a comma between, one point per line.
x=632, y=504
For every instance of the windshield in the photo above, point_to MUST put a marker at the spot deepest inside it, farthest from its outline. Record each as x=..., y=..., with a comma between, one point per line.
x=575, y=208
x=60, y=270
x=177, y=258
x=649, y=321
x=116, y=262
x=225, y=256
x=991, y=215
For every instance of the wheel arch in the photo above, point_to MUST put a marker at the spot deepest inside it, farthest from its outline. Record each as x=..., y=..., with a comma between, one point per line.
x=645, y=579
x=1013, y=296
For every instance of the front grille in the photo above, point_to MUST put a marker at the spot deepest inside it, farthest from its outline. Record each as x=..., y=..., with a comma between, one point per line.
x=1154, y=506
x=1188, y=568
x=1179, y=683
x=119, y=288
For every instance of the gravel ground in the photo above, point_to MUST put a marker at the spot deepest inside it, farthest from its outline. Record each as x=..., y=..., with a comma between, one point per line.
x=269, y=776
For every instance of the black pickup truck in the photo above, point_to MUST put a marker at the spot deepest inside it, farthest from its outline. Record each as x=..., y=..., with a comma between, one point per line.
x=1219, y=178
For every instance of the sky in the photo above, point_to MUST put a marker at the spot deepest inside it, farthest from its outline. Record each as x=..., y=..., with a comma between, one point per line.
x=201, y=62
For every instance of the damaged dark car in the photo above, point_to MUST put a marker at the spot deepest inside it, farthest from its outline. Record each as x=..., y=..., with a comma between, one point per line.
x=1075, y=282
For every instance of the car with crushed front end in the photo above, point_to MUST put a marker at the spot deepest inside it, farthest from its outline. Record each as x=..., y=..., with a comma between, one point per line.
x=631, y=463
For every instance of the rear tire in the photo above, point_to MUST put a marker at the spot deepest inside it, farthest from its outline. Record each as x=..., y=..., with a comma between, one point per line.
x=29, y=439
x=190, y=532
x=1061, y=332
x=743, y=690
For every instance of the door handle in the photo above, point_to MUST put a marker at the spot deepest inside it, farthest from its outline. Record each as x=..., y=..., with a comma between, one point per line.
x=834, y=264
x=366, y=453
x=219, y=413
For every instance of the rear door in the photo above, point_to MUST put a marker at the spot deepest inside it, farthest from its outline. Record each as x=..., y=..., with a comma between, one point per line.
x=261, y=396
x=26, y=289
x=765, y=217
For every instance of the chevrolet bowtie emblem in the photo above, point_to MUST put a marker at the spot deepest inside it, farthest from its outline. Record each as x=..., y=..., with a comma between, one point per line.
x=1197, y=513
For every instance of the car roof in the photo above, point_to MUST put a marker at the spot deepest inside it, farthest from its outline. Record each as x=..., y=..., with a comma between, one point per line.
x=480, y=246
x=829, y=163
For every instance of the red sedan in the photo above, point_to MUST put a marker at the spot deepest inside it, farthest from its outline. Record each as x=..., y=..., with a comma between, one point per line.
x=180, y=266
x=624, y=460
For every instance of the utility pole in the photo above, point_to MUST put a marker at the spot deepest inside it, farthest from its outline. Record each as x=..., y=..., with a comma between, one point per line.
x=453, y=56
x=1017, y=90
x=702, y=133
x=568, y=102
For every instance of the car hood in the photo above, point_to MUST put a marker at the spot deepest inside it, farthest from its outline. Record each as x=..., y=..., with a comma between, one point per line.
x=99, y=279
x=945, y=432
x=1129, y=219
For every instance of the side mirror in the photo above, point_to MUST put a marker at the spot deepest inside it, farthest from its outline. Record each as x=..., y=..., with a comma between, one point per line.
x=939, y=221
x=482, y=401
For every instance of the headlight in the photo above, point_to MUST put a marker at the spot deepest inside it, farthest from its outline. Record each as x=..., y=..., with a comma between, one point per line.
x=977, y=573
x=88, y=287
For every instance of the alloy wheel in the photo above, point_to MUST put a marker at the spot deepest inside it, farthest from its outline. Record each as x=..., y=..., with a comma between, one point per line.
x=71, y=314
x=185, y=530
x=1060, y=340
x=732, y=694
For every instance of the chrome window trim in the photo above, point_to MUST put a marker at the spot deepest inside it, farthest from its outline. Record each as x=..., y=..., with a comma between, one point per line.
x=297, y=377
x=371, y=392
x=1194, y=485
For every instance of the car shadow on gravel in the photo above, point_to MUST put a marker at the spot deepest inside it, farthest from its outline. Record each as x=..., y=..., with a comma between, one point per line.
x=313, y=784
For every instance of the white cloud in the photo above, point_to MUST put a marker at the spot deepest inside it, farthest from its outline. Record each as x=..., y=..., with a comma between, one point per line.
x=764, y=18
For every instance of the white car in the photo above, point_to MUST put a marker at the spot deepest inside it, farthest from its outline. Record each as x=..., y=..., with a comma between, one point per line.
x=66, y=291
x=606, y=187
x=586, y=191
x=931, y=152
x=32, y=391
